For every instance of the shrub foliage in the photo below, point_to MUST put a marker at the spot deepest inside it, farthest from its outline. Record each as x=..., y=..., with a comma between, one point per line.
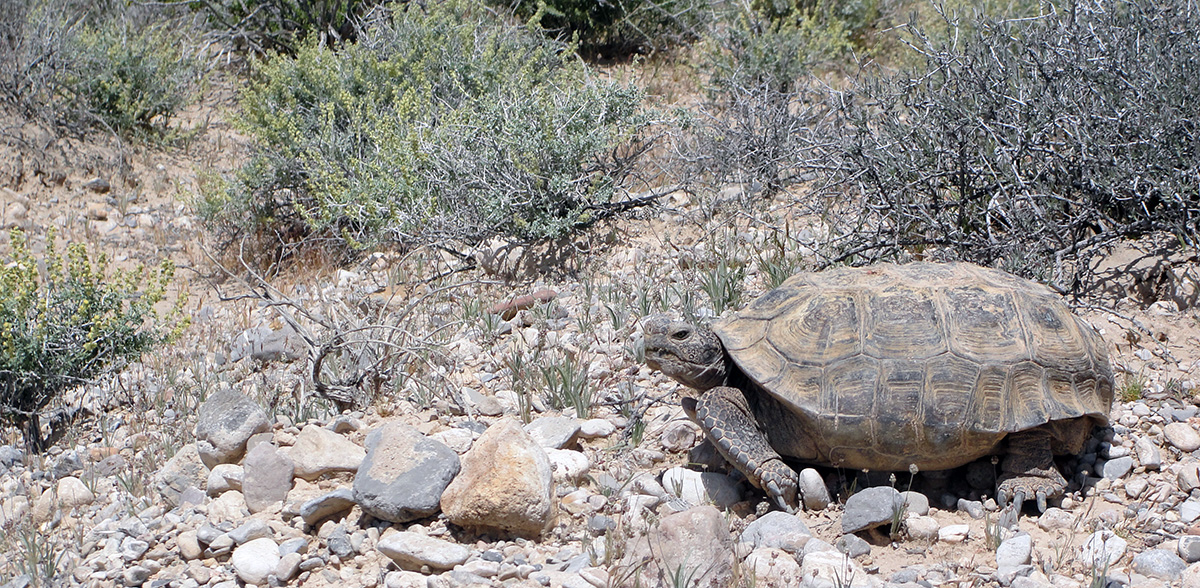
x=83, y=67
x=1029, y=144
x=441, y=122
x=616, y=26
x=64, y=325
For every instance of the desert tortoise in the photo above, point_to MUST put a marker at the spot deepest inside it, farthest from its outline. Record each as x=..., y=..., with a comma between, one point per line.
x=893, y=366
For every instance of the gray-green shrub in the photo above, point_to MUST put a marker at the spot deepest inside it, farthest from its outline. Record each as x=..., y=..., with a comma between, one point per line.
x=442, y=122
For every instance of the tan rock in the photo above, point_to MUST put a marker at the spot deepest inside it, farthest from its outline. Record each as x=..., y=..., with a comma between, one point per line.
x=694, y=544
x=72, y=493
x=506, y=483
x=319, y=451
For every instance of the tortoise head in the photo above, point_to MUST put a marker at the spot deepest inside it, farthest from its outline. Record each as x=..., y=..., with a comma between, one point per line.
x=691, y=355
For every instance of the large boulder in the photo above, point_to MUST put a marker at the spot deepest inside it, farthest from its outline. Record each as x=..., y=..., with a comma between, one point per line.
x=223, y=425
x=694, y=544
x=403, y=474
x=506, y=484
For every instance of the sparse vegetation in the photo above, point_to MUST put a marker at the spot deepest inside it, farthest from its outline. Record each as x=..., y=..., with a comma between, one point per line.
x=72, y=321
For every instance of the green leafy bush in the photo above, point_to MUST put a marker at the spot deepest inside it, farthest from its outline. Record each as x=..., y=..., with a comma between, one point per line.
x=439, y=123
x=70, y=322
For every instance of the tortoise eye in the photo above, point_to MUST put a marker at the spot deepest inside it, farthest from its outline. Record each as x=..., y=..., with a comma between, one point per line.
x=681, y=334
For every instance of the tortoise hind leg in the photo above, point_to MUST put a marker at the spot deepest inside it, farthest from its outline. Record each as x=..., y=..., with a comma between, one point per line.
x=1029, y=470
x=727, y=420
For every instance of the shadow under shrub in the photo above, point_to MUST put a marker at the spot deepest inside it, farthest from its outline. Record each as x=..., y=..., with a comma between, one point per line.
x=440, y=123
x=1028, y=144
x=70, y=322
x=616, y=27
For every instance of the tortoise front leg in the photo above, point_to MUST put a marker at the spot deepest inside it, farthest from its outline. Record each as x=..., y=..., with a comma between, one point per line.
x=725, y=417
x=1029, y=470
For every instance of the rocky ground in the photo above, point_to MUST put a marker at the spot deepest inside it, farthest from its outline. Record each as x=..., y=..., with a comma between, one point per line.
x=529, y=447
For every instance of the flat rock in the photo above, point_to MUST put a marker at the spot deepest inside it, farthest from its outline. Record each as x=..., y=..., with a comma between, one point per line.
x=224, y=423
x=249, y=531
x=954, y=533
x=413, y=550
x=189, y=546
x=326, y=505
x=1056, y=518
x=255, y=560
x=553, y=432
x=778, y=530
x=404, y=474
x=268, y=477
x=184, y=470
x=853, y=545
x=871, y=508
x=1182, y=436
x=915, y=502
x=225, y=477
x=319, y=451
x=692, y=544
x=1159, y=563
x=506, y=483
x=813, y=490
x=596, y=428
x=288, y=566
x=698, y=488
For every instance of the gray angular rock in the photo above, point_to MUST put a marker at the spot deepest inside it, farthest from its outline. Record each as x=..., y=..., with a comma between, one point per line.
x=288, y=567
x=250, y=530
x=256, y=560
x=915, y=502
x=506, y=484
x=326, y=505
x=973, y=508
x=10, y=456
x=404, y=474
x=1189, y=548
x=1117, y=468
x=319, y=451
x=338, y=542
x=1102, y=548
x=813, y=489
x=224, y=423
x=871, y=508
x=268, y=477
x=853, y=545
x=1147, y=453
x=184, y=470
x=135, y=575
x=1159, y=563
x=778, y=530
x=411, y=550
x=553, y=432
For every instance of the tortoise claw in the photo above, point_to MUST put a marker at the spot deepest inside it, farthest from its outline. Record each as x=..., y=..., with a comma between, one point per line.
x=1019, y=499
x=1041, y=500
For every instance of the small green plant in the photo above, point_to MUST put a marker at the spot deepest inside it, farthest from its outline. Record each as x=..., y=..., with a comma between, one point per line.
x=1133, y=387
x=39, y=558
x=567, y=384
x=993, y=533
x=723, y=285
x=74, y=321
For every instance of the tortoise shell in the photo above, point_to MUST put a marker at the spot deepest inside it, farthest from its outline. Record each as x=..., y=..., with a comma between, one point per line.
x=925, y=364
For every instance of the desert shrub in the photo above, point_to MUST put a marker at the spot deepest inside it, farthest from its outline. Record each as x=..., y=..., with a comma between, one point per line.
x=755, y=121
x=70, y=322
x=280, y=25
x=615, y=26
x=440, y=123
x=1028, y=144
x=84, y=67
